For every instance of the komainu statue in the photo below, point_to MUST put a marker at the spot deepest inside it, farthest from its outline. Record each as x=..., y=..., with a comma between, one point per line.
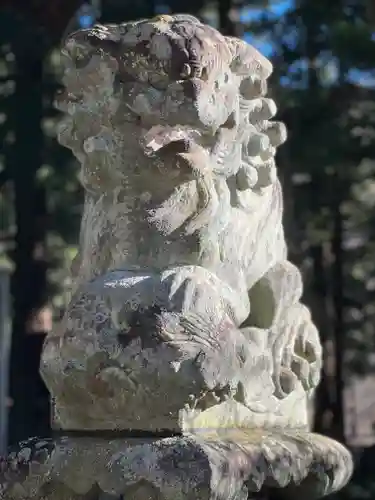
x=185, y=362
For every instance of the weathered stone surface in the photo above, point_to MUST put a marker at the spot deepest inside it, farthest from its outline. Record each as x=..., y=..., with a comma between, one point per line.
x=186, y=313
x=181, y=227
x=222, y=466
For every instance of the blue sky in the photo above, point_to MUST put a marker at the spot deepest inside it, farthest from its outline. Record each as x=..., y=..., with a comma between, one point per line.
x=278, y=8
x=249, y=14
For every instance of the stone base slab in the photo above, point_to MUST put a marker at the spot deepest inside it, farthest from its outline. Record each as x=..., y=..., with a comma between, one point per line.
x=218, y=465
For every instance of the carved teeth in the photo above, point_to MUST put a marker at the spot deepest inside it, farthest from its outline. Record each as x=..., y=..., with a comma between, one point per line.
x=159, y=136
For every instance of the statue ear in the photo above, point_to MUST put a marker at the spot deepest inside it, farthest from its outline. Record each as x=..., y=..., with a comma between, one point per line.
x=247, y=60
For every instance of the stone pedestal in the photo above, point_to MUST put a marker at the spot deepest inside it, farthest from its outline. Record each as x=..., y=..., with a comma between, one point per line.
x=218, y=465
x=185, y=362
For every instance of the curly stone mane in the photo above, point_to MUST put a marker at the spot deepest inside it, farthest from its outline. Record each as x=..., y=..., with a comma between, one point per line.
x=169, y=118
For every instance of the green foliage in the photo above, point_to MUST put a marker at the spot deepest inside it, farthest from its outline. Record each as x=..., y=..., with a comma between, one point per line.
x=331, y=144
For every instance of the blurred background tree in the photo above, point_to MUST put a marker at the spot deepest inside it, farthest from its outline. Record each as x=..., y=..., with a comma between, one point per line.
x=324, y=60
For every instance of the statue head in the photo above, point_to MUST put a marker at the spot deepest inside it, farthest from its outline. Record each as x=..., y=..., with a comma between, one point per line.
x=168, y=107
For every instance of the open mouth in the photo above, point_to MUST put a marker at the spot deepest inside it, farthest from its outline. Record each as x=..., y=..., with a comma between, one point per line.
x=153, y=139
x=161, y=136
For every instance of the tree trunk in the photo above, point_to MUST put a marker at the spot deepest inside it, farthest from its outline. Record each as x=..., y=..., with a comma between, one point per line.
x=29, y=279
x=318, y=302
x=338, y=429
